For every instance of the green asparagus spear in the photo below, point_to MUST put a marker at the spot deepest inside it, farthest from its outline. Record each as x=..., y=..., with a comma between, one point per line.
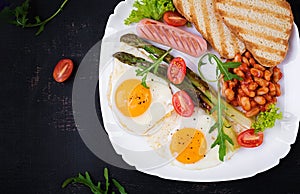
x=198, y=98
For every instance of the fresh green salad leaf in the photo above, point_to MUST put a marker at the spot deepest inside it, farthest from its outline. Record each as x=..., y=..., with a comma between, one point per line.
x=266, y=119
x=153, y=9
x=222, y=70
x=96, y=189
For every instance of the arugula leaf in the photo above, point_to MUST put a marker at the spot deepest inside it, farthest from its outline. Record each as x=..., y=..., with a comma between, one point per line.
x=19, y=16
x=221, y=70
x=153, y=9
x=222, y=137
x=106, y=180
x=96, y=189
x=119, y=186
x=144, y=71
x=85, y=181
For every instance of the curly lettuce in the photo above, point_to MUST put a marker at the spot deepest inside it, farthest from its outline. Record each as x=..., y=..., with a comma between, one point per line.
x=267, y=119
x=153, y=9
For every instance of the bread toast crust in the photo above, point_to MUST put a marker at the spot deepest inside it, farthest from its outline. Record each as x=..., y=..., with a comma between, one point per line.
x=180, y=8
x=269, y=49
x=220, y=38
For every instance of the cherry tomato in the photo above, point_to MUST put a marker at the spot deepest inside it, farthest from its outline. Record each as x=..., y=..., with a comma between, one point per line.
x=174, y=18
x=63, y=70
x=250, y=139
x=176, y=70
x=183, y=103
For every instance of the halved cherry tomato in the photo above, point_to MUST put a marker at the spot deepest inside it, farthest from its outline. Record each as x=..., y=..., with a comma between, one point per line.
x=176, y=70
x=183, y=103
x=173, y=18
x=250, y=139
x=63, y=70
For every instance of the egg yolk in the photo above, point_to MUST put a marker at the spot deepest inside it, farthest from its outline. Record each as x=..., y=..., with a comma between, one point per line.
x=189, y=144
x=132, y=99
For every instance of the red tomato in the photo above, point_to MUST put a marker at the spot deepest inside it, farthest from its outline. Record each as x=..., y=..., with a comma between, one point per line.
x=174, y=18
x=176, y=70
x=250, y=139
x=63, y=70
x=183, y=103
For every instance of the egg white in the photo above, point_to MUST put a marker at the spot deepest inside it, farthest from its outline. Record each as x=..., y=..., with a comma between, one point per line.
x=161, y=141
x=159, y=109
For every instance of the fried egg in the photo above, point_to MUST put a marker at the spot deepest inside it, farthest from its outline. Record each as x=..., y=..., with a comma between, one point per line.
x=138, y=109
x=189, y=142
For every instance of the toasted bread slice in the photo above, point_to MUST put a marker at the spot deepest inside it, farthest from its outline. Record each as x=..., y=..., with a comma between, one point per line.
x=210, y=24
x=183, y=7
x=263, y=25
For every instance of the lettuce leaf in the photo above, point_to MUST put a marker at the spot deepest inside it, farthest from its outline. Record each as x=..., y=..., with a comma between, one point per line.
x=153, y=9
x=267, y=119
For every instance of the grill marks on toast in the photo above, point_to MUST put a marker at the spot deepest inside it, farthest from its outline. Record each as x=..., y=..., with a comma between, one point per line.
x=210, y=24
x=263, y=25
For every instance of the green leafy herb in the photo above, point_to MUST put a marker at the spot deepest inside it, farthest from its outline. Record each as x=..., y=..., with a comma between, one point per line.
x=119, y=186
x=266, y=119
x=153, y=9
x=96, y=189
x=222, y=69
x=143, y=71
x=20, y=16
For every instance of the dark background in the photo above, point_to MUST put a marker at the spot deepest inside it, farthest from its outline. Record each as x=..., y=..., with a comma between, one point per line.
x=39, y=144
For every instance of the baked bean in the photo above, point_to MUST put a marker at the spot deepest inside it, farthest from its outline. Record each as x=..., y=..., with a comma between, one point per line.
x=248, y=54
x=244, y=67
x=245, y=60
x=272, y=89
x=261, y=82
x=262, y=91
x=229, y=94
x=278, y=92
x=259, y=67
x=254, y=111
x=231, y=84
x=256, y=72
x=267, y=75
x=238, y=72
x=245, y=102
x=247, y=91
x=238, y=58
x=252, y=61
x=253, y=86
x=268, y=97
x=260, y=100
x=241, y=92
x=277, y=75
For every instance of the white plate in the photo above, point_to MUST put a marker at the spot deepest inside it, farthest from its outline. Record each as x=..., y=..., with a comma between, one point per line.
x=245, y=163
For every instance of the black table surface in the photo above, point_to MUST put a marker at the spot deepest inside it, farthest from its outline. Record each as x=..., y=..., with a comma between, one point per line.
x=39, y=142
